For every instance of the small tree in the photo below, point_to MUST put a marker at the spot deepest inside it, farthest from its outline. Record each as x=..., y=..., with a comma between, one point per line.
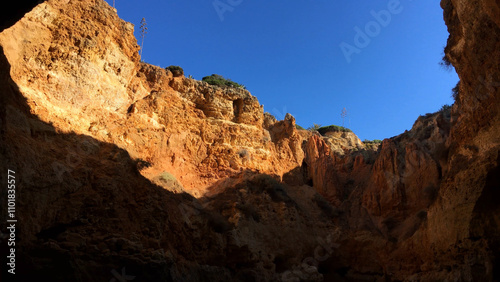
x=314, y=127
x=144, y=31
x=343, y=115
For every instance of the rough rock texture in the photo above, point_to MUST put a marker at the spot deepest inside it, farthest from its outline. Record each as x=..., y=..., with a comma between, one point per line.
x=464, y=217
x=84, y=76
x=122, y=165
x=81, y=116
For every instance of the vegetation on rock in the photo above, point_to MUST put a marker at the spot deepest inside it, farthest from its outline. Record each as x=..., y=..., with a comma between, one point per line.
x=445, y=108
x=219, y=80
x=333, y=128
x=445, y=63
x=374, y=141
x=176, y=70
x=314, y=127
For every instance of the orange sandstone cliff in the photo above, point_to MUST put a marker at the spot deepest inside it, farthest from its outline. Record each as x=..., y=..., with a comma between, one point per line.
x=123, y=166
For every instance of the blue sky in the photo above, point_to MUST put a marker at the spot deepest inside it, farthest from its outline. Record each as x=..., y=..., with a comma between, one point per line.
x=288, y=55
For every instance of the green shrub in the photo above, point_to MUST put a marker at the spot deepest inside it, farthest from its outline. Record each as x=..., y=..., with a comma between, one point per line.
x=374, y=141
x=445, y=62
x=299, y=127
x=333, y=128
x=167, y=176
x=445, y=108
x=219, y=80
x=166, y=179
x=176, y=70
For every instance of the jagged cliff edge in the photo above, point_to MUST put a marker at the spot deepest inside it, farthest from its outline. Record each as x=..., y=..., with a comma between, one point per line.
x=110, y=152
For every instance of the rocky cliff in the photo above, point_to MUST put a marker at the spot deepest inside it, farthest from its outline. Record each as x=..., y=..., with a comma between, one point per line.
x=122, y=165
x=84, y=76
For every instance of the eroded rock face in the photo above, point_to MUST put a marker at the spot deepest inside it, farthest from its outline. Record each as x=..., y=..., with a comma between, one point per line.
x=474, y=144
x=84, y=76
x=426, y=190
x=110, y=152
x=81, y=116
x=407, y=172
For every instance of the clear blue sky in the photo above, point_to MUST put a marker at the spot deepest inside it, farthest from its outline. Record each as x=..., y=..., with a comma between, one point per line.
x=288, y=55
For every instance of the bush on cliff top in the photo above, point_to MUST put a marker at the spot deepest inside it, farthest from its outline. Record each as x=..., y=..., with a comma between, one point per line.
x=314, y=127
x=219, y=80
x=333, y=128
x=445, y=108
x=176, y=70
x=374, y=141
